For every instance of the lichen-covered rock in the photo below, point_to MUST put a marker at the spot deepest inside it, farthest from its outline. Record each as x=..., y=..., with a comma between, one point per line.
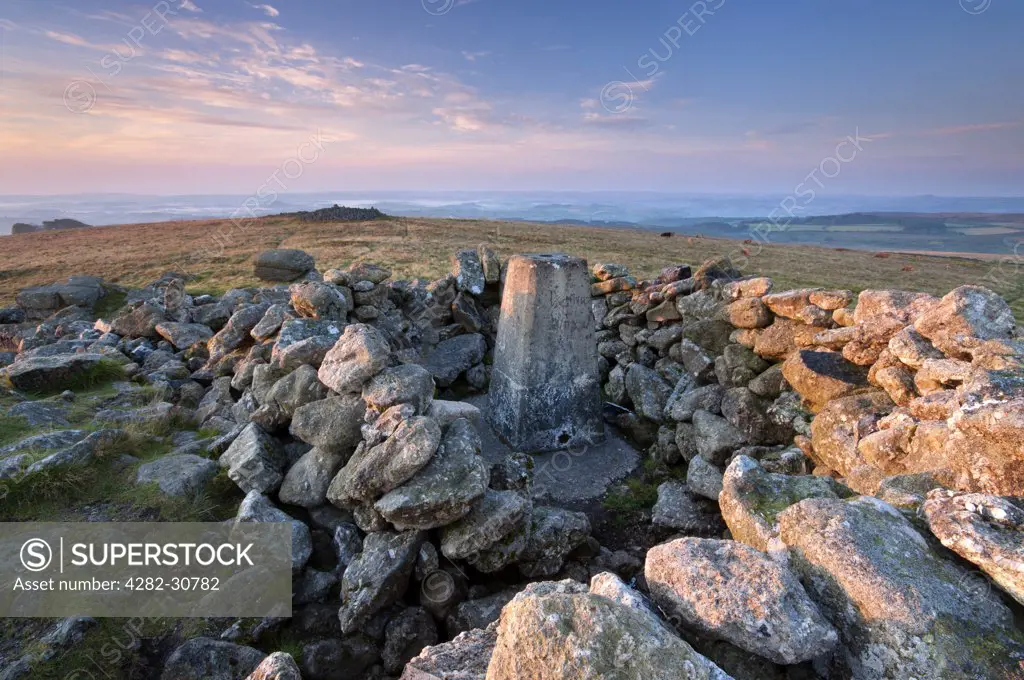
x=984, y=445
x=256, y=507
x=478, y=613
x=748, y=312
x=307, y=481
x=559, y=631
x=749, y=414
x=604, y=271
x=304, y=341
x=891, y=304
x=752, y=499
x=53, y=373
x=731, y=591
x=738, y=365
x=282, y=265
x=322, y=301
x=374, y=471
x=138, y=320
x=898, y=383
x=203, y=658
x=378, y=577
x=782, y=338
x=618, y=284
x=831, y=300
x=332, y=424
x=184, y=335
x=703, y=478
x=454, y=356
x=464, y=658
x=912, y=348
x=678, y=509
x=936, y=375
x=468, y=271
x=986, y=530
x=681, y=407
x=694, y=358
x=965, y=313
x=900, y=609
x=788, y=304
x=443, y=491
x=406, y=636
x=178, y=475
x=716, y=438
x=367, y=271
x=491, y=519
x=715, y=269
x=360, y=353
x=406, y=384
x=255, y=461
x=271, y=322
x=840, y=426
x=300, y=387
x=447, y=412
x=648, y=391
x=753, y=287
x=277, y=666
x=821, y=376
x=236, y=332
x=769, y=384
x=339, y=659
x=554, y=533
x=490, y=262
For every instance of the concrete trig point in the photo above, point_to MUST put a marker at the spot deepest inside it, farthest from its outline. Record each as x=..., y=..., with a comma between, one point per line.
x=545, y=389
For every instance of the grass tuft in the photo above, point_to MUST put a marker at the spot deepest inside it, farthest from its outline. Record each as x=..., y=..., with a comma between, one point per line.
x=13, y=428
x=109, y=305
x=637, y=496
x=101, y=373
x=64, y=494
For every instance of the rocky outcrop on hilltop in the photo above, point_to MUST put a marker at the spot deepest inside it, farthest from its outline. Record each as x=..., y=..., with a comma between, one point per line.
x=842, y=470
x=338, y=213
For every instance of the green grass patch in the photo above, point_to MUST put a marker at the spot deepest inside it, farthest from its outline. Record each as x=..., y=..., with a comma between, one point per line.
x=630, y=501
x=636, y=496
x=285, y=640
x=12, y=429
x=61, y=494
x=109, y=305
x=110, y=648
x=101, y=373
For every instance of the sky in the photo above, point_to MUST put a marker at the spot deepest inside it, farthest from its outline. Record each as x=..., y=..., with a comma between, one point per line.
x=719, y=96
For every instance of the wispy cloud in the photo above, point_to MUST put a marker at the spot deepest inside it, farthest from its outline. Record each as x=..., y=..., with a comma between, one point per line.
x=473, y=56
x=190, y=6
x=973, y=127
x=269, y=10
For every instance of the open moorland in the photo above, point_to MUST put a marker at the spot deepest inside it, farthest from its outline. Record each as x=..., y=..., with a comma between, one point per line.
x=216, y=254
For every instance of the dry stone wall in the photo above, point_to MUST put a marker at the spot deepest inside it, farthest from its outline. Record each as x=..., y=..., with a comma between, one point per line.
x=338, y=403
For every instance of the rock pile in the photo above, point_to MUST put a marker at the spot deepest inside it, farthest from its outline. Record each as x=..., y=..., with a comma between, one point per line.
x=852, y=466
x=338, y=213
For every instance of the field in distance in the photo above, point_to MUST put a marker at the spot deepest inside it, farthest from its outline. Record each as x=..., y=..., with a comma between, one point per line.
x=218, y=254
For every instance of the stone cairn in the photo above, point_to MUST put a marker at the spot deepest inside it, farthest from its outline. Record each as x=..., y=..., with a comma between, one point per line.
x=861, y=453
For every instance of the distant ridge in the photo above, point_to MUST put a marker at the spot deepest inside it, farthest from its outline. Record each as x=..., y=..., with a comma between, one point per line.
x=48, y=225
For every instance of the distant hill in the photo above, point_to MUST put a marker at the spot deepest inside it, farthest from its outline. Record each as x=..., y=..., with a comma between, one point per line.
x=48, y=225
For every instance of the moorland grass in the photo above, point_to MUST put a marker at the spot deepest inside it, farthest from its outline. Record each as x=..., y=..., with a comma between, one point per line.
x=134, y=255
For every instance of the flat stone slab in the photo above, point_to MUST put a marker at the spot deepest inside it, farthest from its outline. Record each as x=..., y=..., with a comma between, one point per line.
x=566, y=477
